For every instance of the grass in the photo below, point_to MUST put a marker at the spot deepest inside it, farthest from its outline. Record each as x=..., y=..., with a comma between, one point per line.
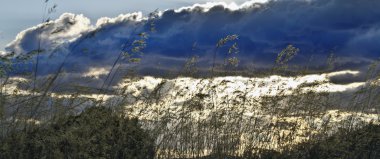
x=98, y=132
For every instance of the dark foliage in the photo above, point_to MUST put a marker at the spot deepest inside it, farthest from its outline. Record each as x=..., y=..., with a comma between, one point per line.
x=96, y=133
x=359, y=144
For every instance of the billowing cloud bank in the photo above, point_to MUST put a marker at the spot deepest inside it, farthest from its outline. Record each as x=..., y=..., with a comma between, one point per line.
x=348, y=28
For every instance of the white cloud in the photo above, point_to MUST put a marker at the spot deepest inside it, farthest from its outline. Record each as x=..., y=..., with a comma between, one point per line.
x=344, y=72
x=137, y=16
x=231, y=5
x=3, y=53
x=96, y=72
x=65, y=29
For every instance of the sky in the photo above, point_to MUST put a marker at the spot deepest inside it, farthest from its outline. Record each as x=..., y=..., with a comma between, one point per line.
x=91, y=33
x=17, y=15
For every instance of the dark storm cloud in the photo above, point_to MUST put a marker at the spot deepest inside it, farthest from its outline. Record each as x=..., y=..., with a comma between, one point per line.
x=348, y=28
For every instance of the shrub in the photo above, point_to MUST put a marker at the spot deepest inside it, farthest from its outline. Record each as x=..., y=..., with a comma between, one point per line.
x=96, y=133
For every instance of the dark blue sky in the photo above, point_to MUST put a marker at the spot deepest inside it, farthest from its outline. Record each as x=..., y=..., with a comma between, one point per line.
x=348, y=28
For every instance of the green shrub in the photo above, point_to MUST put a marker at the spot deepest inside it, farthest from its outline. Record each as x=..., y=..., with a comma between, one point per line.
x=96, y=133
x=363, y=143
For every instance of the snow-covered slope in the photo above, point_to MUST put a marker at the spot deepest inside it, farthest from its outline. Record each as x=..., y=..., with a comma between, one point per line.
x=237, y=114
x=244, y=113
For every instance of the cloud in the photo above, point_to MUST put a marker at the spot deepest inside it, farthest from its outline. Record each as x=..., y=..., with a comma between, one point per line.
x=349, y=28
x=205, y=7
x=96, y=73
x=50, y=35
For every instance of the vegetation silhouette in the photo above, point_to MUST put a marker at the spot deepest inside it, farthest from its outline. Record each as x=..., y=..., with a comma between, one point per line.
x=98, y=132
